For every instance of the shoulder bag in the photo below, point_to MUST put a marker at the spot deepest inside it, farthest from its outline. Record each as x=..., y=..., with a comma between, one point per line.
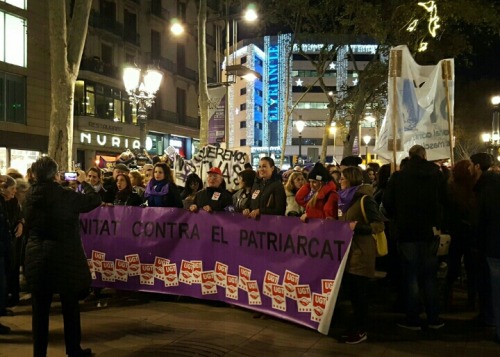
x=380, y=238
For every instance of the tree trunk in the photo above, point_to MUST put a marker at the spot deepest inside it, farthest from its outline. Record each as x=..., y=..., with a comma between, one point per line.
x=67, y=39
x=202, y=79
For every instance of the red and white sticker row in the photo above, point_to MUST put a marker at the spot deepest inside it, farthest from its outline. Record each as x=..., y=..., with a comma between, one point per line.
x=191, y=272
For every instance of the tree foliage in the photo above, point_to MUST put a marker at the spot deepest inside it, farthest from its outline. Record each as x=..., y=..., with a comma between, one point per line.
x=386, y=23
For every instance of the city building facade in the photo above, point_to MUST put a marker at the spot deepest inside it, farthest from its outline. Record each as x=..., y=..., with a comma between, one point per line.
x=120, y=32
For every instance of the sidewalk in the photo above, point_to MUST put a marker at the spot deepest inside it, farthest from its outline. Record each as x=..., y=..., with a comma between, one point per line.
x=143, y=325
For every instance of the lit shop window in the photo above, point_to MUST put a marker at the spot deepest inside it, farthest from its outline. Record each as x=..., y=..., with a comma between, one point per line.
x=12, y=39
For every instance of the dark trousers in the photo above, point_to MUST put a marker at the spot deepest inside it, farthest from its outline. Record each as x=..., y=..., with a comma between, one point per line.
x=13, y=272
x=71, y=315
x=357, y=290
x=420, y=271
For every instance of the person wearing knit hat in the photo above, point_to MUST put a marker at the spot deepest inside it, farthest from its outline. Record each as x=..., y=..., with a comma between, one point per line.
x=351, y=161
x=319, y=196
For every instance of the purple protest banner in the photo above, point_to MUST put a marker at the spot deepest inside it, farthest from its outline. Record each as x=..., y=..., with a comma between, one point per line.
x=275, y=265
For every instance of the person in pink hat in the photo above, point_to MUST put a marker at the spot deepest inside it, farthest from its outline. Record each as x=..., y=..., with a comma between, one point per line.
x=214, y=197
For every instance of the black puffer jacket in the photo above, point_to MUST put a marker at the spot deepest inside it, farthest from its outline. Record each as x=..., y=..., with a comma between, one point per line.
x=414, y=198
x=55, y=260
x=268, y=196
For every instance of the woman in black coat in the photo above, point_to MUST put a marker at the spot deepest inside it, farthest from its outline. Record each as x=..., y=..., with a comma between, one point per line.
x=268, y=194
x=125, y=194
x=55, y=260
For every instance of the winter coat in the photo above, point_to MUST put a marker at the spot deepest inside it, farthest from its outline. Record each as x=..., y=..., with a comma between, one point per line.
x=5, y=232
x=326, y=201
x=361, y=259
x=216, y=198
x=171, y=199
x=488, y=222
x=55, y=260
x=414, y=199
x=130, y=199
x=240, y=199
x=292, y=206
x=268, y=196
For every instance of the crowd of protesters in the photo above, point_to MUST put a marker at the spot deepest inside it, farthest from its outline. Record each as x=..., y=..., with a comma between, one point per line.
x=412, y=205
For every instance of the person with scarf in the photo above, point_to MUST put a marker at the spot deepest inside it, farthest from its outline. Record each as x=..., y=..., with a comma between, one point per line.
x=125, y=194
x=319, y=196
x=268, y=194
x=214, y=197
x=360, y=267
x=161, y=190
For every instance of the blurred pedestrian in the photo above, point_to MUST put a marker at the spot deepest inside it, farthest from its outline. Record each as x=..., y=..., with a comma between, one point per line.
x=5, y=239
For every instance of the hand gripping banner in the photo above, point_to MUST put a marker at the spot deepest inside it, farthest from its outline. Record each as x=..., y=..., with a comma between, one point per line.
x=276, y=265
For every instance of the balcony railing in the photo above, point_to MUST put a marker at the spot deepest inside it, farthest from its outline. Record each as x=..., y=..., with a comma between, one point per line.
x=94, y=64
x=98, y=21
x=174, y=118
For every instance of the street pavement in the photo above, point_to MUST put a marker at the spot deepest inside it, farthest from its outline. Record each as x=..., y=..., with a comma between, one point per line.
x=143, y=325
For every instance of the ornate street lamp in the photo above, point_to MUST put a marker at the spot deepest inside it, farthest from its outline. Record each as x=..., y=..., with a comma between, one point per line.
x=492, y=140
x=299, y=125
x=142, y=94
x=333, y=131
x=366, y=140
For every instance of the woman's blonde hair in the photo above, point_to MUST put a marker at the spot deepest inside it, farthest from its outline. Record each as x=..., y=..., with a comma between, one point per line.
x=289, y=186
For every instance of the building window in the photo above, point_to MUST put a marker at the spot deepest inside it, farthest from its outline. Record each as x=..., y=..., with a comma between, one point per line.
x=243, y=60
x=243, y=91
x=258, y=125
x=103, y=102
x=258, y=108
x=243, y=142
x=181, y=10
x=181, y=105
x=155, y=45
x=243, y=124
x=12, y=39
x=13, y=98
x=243, y=106
x=258, y=92
x=258, y=61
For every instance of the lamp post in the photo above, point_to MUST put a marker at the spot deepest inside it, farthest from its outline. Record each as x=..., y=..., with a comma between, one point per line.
x=333, y=131
x=250, y=15
x=366, y=140
x=142, y=93
x=492, y=140
x=299, y=125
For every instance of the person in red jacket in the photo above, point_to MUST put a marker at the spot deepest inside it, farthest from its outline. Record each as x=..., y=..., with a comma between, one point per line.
x=319, y=196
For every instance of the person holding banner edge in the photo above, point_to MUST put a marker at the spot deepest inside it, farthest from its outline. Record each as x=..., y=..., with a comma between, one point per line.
x=361, y=260
x=268, y=194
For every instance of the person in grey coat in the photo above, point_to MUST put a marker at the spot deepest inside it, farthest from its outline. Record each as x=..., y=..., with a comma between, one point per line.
x=55, y=261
